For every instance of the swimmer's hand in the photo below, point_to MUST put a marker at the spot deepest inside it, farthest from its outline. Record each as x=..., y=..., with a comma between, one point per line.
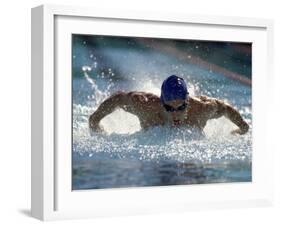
x=97, y=129
x=243, y=128
x=238, y=131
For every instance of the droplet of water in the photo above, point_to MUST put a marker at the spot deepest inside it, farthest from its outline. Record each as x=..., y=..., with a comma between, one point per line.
x=86, y=68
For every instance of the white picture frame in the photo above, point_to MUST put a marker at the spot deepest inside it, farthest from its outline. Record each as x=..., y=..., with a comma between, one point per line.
x=52, y=197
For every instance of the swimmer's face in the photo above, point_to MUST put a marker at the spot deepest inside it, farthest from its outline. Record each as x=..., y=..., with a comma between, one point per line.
x=176, y=109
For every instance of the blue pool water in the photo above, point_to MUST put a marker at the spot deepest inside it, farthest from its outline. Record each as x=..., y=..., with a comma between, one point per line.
x=125, y=156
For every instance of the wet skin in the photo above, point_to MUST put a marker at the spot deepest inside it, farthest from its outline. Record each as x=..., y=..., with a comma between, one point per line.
x=151, y=112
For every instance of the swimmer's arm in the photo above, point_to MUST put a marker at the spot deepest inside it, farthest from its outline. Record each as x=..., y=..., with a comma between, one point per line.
x=220, y=108
x=108, y=106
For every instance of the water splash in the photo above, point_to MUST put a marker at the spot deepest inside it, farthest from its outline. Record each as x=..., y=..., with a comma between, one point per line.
x=124, y=138
x=127, y=156
x=98, y=95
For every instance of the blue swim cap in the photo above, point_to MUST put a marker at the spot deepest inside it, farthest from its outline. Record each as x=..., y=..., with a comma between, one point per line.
x=173, y=88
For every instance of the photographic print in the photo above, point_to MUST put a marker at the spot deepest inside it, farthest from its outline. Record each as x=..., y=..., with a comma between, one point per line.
x=159, y=112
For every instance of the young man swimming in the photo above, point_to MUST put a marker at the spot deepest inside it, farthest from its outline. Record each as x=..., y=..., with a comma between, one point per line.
x=174, y=107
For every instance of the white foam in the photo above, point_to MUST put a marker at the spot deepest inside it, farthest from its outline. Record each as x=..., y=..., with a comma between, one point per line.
x=121, y=122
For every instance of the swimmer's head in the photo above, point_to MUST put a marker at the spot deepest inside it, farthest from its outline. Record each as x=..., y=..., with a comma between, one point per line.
x=173, y=88
x=174, y=96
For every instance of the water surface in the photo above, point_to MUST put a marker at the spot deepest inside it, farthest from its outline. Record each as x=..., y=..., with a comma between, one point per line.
x=126, y=156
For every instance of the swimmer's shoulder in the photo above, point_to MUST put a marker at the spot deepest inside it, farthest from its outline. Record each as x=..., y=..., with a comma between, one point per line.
x=143, y=97
x=202, y=101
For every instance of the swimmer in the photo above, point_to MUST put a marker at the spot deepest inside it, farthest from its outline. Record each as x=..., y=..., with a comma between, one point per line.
x=174, y=108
